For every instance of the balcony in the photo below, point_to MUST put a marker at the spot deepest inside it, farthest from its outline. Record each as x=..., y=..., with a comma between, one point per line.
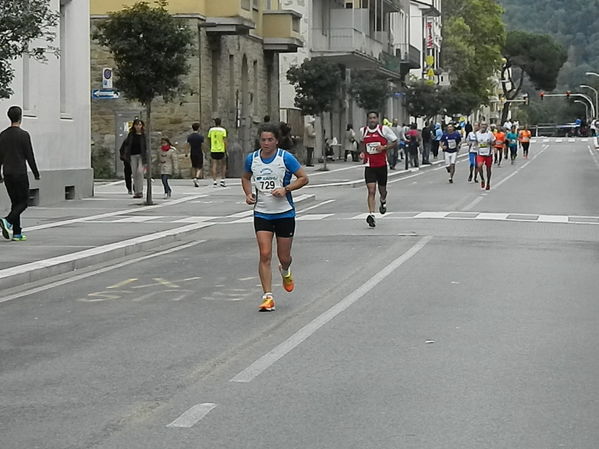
x=281, y=31
x=409, y=56
x=348, y=46
x=229, y=17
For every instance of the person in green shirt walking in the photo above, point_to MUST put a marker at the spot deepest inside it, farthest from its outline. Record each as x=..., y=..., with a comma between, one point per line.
x=217, y=136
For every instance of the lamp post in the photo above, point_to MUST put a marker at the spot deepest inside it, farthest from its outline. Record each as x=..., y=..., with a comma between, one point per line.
x=592, y=74
x=596, y=96
x=586, y=107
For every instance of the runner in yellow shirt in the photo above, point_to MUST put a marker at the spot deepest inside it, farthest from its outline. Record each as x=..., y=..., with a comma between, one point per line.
x=217, y=135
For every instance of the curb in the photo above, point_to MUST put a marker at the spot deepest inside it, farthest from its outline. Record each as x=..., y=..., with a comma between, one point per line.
x=392, y=174
x=42, y=269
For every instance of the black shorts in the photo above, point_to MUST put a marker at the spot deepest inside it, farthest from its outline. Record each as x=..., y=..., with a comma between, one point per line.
x=376, y=174
x=281, y=227
x=217, y=155
x=197, y=160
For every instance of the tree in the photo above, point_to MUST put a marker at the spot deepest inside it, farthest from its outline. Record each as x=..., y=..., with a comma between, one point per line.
x=21, y=22
x=370, y=89
x=538, y=56
x=473, y=36
x=150, y=50
x=317, y=84
x=423, y=99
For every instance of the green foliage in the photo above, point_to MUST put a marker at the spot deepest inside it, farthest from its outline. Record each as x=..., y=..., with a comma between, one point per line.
x=317, y=85
x=22, y=21
x=150, y=49
x=370, y=89
x=538, y=55
x=473, y=36
x=102, y=163
x=423, y=99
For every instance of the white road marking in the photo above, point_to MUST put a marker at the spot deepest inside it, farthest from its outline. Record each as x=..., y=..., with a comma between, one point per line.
x=471, y=205
x=267, y=360
x=314, y=207
x=78, y=277
x=554, y=218
x=313, y=217
x=489, y=216
x=593, y=156
x=193, y=415
x=194, y=219
x=139, y=219
x=495, y=186
x=432, y=215
x=72, y=257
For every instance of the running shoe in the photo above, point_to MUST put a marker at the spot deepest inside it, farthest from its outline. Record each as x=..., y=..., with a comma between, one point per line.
x=370, y=221
x=450, y=181
x=470, y=179
x=488, y=187
x=6, y=227
x=195, y=183
x=268, y=304
x=383, y=207
x=482, y=183
x=288, y=284
x=19, y=238
x=222, y=183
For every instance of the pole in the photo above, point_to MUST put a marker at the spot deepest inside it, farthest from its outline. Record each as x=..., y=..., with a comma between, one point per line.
x=596, y=96
x=586, y=107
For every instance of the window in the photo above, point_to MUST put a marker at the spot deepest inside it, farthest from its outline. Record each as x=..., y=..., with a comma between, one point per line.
x=295, y=24
x=64, y=59
x=27, y=105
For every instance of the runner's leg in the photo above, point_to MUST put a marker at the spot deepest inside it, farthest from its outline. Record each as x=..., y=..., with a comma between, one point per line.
x=264, y=239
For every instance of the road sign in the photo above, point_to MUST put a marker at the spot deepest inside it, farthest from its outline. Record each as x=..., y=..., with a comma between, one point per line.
x=106, y=78
x=105, y=94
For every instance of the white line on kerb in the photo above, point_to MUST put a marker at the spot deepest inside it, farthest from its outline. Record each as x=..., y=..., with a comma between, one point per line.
x=268, y=359
x=78, y=277
x=193, y=415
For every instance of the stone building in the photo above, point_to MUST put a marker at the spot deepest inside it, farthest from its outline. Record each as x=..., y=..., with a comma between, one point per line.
x=54, y=96
x=234, y=75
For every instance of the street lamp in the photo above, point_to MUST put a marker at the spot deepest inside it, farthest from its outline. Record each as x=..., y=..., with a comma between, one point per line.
x=586, y=106
x=592, y=74
x=596, y=96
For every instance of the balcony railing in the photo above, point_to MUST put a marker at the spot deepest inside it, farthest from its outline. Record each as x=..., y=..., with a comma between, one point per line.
x=346, y=40
x=410, y=55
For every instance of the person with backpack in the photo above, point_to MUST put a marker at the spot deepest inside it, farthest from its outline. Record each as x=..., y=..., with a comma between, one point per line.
x=413, y=144
x=426, y=143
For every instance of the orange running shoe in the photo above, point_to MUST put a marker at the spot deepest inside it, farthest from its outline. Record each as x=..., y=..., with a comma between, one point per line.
x=268, y=304
x=288, y=284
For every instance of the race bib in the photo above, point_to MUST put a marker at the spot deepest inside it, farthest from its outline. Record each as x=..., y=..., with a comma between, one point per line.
x=452, y=144
x=371, y=148
x=267, y=183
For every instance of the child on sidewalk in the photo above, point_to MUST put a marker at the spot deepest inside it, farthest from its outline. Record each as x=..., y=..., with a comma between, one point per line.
x=168, y=163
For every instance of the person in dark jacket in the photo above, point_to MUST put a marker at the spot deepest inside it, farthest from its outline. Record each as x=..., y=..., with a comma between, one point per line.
x=15, y=152
x=133, y=151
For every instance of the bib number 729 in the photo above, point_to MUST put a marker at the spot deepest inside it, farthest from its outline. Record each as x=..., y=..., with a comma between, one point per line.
x=267, y=185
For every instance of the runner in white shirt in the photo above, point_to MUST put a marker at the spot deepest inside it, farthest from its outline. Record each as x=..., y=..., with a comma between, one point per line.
x=485, y=140
x=472, y=152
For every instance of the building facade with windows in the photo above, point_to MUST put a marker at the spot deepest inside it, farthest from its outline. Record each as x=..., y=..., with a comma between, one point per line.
x=234, y=76
x=368, y=35
x=55, y=99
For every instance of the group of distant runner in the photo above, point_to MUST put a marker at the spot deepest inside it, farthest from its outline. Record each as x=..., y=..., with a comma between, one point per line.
x=267, y=180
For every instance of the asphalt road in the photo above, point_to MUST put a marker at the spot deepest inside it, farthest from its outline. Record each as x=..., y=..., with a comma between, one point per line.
x=465, y=319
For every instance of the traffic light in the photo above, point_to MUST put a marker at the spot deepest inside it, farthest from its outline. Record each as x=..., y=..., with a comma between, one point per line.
x=542, y=94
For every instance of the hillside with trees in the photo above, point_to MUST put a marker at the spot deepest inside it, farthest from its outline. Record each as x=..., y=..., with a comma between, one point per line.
x=573, y=23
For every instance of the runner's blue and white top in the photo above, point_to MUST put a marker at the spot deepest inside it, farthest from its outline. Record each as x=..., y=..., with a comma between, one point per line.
x=267, y=175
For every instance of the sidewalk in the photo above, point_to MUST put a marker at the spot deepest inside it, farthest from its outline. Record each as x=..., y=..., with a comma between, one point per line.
x=79, y=233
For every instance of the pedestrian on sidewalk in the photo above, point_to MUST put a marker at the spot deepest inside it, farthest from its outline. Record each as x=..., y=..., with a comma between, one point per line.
x=310, y=142
x=349, y=144
x=194, y=144
x=436, y=139
x=414, y=143
x=426, y=143
x=16, y=152
x=267, y=185
x=218, y=148
x=133, y=150
x=168, y=163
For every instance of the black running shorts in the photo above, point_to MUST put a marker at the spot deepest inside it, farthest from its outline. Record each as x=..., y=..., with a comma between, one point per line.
x=281, y=227
x=376, y=174
x=217, y=155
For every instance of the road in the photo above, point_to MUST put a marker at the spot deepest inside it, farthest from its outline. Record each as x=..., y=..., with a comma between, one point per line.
x=465, y=319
